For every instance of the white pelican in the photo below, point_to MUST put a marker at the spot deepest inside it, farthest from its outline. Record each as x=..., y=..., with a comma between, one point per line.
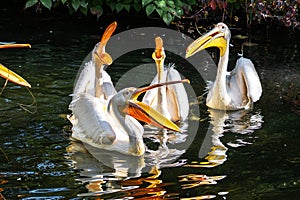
x=233, y=90
x=7, y=73
x=170, y=100
x=111, y=124
x=94, y=79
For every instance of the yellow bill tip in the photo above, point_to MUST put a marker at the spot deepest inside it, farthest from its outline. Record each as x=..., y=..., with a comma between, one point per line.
x=12, y=76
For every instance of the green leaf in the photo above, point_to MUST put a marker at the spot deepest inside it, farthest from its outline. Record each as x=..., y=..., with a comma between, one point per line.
x=167, y=17
x=178, y=3
x=160, y=12
x=84, y=10
x=119, y=7
x=127, y=7
x=146, y=2
x=75, y=4
x=150, y=8
x=171, y=4
x=30, y=3
x=84, y=4
x=137, y=6
x=112, y=5
x=179, y=12
x=161, y=4
x=64, y=1
x=47, y=3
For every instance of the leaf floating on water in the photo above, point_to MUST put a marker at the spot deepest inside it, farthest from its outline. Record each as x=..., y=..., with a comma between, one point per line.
x=222, y=193
x=250, y=44
x=241, y=37
x=4, y=43
x=200, y=197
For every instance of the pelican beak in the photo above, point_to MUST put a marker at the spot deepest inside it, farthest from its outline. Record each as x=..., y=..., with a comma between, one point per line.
x=100, y=56
x=145, y=113
x=159, y=54
x=214, y=38
x=12, y=76
x=7, y=45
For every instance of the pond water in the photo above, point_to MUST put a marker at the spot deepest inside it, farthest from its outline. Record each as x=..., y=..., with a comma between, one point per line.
x=234, y=155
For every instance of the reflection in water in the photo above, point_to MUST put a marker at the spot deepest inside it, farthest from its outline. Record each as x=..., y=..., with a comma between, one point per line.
x=114, y=175
x=237, y=122
x=214, y=151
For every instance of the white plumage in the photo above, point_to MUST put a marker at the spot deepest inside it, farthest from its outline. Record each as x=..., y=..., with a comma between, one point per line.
x=233, y=90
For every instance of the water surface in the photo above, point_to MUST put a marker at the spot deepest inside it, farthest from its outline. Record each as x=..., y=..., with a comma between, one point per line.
x=234, y=155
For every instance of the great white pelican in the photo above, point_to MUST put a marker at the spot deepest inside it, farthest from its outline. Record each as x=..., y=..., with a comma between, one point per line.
x=93, y=79
x=111, y=124
x=8, y=74
x=170, y=100
x=233, y=90
x=107, y=119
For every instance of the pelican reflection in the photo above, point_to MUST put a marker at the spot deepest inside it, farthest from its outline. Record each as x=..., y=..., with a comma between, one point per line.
x=241, y=122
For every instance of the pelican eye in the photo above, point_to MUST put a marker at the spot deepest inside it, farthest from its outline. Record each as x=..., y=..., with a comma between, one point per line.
x=126, y=93
x=222, y=28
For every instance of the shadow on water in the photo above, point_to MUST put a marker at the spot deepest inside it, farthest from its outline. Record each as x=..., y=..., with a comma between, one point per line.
x=233, y=155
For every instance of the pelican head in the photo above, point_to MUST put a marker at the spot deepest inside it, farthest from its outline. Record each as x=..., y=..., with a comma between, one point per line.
x=100, y=57
x=219, y=37
x=7, y=73
x=126, y=102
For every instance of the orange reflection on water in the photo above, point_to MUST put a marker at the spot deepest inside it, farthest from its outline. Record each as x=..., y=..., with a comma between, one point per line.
x=195, y=180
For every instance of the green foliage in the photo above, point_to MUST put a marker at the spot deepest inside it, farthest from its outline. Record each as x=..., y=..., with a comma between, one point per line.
x=167, y=10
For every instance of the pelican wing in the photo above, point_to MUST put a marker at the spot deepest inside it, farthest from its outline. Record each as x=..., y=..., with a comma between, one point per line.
x=251, y=78
x=85, y=82
x=92, y=117
x=150, y=96
x=178, y=103
x=108, y=87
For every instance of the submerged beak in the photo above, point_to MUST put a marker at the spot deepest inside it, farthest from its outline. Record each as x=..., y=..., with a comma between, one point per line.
x=145, y=113
x=214, y=38
x=7, y=45
x=100, y=56
x=12, y=76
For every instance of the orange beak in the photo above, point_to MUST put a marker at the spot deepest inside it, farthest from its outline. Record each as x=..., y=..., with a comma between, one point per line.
x=145, y=113
x=100, y=56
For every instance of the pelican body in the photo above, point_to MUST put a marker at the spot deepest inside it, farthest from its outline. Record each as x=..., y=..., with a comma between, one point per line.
x=113, y=124
x=233, y=90
x=9, y=74
x=170, y=100
x=107, y=119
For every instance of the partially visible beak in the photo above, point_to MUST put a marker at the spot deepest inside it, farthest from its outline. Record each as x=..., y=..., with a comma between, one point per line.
x=12, y=76
x=159, y=49
x=100, y=56
x=6, y=46
x=108, y=33
x=145, y=113
x=214, y=38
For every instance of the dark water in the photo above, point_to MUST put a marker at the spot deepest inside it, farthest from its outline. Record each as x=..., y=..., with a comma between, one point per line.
x=235, y=155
